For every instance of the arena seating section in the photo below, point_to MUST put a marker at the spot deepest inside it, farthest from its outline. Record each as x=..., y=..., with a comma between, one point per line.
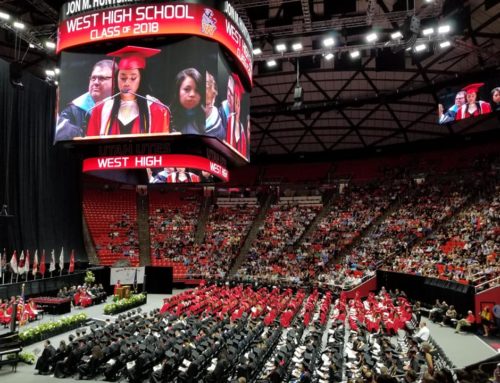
x=421, y=214
x=111, y=218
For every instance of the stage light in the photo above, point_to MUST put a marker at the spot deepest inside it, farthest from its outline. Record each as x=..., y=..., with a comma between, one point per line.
x=328, y=42
x=57, y=70
x=56, y=82
x=355, y=54
x=49, y=44
x=50, y=73
x=271, y=63
x=372, y=37
x=257, y=51
x=329, y=56
x=297, y=47
x=4, y=16
x=428, y=31
x=18, y=25
x=420, y=47
x=444, y=44
x=443, y=29
x=281, y=47
x=396, y=35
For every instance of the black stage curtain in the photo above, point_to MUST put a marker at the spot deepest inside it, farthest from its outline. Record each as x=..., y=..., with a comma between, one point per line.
x=159, y=280
x=39, y=182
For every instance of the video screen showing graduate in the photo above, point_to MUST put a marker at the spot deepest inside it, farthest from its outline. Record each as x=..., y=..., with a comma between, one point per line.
x=232, y=104
x=179, y=175
x=135, y=90
x=471, y=100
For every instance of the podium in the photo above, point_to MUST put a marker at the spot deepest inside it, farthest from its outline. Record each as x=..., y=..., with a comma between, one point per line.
x=123, y=292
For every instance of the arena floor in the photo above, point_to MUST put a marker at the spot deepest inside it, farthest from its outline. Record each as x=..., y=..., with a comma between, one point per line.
x=462, y=349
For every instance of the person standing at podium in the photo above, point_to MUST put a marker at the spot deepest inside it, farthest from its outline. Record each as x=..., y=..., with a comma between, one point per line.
x=117, y=286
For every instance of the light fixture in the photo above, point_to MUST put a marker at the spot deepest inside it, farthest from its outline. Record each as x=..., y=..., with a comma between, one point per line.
x=429, y=1
x=4, y=16
x=372, y=37
x=50, y=73
x=56, y=82
x=442, y=29
x=281, y=47
x=355, y=54
x=329, y=56
x=49, y=44
x=396, y=35
x=444, y=44
x=271, y=63
x=57, y=70
x=420, y=47
x=297, y=47
x=328, y=42
x=32, y=45
x=18, y=25
x=257, y=51
x=428, y=31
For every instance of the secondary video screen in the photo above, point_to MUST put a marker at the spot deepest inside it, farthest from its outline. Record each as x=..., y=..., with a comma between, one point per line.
x=186, y=87
x=469, y=101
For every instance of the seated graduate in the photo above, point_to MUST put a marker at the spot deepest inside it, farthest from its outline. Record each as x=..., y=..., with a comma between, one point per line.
x=43, y=362
x=88, y=369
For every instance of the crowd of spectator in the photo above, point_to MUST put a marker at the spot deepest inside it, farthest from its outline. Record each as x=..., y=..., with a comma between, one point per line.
x=172, y=224
x=272, y=254
x=464, y=249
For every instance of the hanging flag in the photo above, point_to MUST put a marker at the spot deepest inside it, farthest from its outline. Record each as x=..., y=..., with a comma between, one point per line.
x=20, y=268
x=52, y=265
x=72, y=262
x=27, y=263
x=35, y=263
x=42, y=263
x=13, y=263
x=61, y=260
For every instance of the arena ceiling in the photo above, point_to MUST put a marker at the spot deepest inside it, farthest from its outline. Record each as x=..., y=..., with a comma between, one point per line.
x=389, y=95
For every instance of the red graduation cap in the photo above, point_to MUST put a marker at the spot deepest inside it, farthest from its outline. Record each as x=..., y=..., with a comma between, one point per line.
x=133, y=57
x=473, y=88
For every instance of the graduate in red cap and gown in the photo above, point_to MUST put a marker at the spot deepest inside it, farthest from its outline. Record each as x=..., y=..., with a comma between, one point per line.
x=473, y=107
x=130, y=112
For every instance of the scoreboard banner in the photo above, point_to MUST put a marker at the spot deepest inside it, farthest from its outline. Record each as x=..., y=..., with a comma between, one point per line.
x=163, y=168
x=81, y=24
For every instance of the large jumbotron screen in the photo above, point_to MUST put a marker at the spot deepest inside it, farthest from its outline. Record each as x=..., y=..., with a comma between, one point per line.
x=153, y=70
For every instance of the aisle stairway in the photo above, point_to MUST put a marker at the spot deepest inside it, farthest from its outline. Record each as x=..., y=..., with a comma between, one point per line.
x=328, y=202
x=143, y=229
x=202, y=220
x=252, y=234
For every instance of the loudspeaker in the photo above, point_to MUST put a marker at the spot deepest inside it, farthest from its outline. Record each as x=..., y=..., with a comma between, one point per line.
x=298, y=94
x=386, y=60
x=16, y=74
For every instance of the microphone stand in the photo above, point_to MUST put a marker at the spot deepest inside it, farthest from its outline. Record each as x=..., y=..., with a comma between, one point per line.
x=103, y=101
x=153, y=100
